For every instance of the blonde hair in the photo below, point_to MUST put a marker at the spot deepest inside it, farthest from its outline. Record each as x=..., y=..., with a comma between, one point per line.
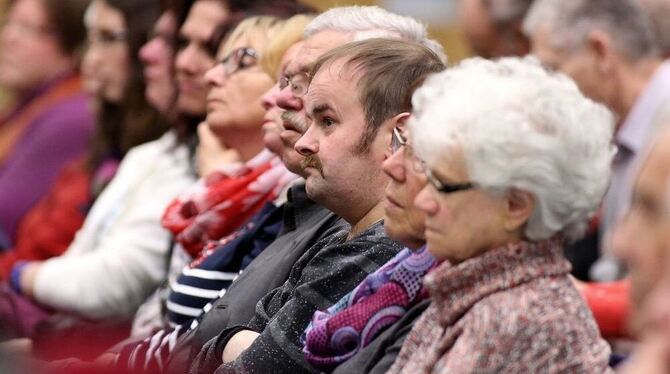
x=288, y=32
x=256, y=29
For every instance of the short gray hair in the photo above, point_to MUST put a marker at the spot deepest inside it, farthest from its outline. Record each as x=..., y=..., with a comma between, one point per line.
x=520, y=127
x=658, y=12
x=368, y=22
x=569, y=22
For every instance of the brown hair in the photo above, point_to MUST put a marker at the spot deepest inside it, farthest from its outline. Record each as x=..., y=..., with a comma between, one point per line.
x=133, y=121
x=387, y=70
x=67, y=18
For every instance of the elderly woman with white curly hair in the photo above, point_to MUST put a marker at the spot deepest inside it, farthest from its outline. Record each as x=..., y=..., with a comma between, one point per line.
x=517, y=161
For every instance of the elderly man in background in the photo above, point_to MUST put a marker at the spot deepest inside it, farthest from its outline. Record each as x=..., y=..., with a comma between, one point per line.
x=493, y=27
x=51, y=121
x=511, y=179
x=608, y=48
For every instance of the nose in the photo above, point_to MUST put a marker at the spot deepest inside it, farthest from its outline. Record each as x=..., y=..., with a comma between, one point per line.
x=269, y=98
x=394, y=166
x=307, y=145
x=185, y=61
x=148, y=51
x=425, y=201
x=215, y=76
x=287, y=101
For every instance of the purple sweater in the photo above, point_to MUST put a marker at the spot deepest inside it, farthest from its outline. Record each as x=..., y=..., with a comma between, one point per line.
x=57, y=135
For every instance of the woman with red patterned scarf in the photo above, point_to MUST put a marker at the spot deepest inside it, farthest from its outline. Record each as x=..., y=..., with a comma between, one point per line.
x=249, y=175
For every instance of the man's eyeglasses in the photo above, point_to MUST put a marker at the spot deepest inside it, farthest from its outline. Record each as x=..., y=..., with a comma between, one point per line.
x=299, y=83
x=239, y=59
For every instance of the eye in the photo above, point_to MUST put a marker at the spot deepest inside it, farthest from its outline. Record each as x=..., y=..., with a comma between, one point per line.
x=327, y=121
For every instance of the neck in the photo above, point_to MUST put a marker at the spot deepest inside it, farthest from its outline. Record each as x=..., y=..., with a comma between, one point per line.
x=367, y=219
x=635, y=78
x=247, y=143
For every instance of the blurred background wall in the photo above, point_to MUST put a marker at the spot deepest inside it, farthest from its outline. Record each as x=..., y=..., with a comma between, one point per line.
x=439, y=15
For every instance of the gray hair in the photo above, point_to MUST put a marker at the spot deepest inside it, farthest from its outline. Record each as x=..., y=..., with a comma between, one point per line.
x=367, y=22
x=569, y=23
x=658, y=12
x=521, y=127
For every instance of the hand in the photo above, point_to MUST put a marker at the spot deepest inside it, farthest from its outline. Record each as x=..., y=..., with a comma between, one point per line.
x=211, y=153
x=238, y=344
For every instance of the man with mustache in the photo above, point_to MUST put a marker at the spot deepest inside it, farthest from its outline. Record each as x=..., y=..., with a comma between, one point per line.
x=346, y=141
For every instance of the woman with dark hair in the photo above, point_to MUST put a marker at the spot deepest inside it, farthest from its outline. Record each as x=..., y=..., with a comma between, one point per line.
x=112, y=74
x=50, y=123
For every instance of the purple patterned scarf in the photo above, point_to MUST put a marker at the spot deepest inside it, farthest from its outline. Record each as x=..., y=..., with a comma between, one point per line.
x=379, y=301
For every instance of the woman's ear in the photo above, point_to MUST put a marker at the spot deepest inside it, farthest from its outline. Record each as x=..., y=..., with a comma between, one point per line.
x=519, y=207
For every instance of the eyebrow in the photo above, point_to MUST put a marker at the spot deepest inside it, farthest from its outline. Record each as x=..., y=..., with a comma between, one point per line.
x=320, y=108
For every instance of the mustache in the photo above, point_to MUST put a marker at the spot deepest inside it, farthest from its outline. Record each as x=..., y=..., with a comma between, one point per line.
x=295, y=120
x=312, y=161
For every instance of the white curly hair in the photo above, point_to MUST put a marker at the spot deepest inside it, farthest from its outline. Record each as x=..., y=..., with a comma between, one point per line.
x=520, y=126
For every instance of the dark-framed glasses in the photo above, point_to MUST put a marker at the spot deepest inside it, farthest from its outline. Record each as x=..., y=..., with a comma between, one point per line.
x=299, y=83
x=239, y=59
x=446, y=188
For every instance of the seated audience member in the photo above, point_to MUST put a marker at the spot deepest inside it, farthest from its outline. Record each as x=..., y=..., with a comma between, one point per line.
x=356, y=97
x=230, y=195
x=114, y=78
x=493, y=28
x=121, y=237
x=642, y=242
x=51, y=122
x=614, y=58
x=363, y=332
x=510, y=180
x=116, y=28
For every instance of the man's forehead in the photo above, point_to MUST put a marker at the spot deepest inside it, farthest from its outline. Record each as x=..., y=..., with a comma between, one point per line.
x=314, y=47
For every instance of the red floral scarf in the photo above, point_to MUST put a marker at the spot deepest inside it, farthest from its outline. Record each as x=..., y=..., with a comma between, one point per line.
x=218, y=204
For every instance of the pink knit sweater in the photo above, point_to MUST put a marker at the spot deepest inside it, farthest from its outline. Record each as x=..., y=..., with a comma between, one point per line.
x=511, y=310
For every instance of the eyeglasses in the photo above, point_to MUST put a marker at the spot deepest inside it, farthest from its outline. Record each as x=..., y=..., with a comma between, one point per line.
x=446, y=188
x=299, y=83
x=397, y=140
x=239, y=59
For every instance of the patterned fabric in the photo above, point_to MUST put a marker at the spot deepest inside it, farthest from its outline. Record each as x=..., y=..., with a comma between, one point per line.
x=379, y=301
x=218, y=204
x=511, y=310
